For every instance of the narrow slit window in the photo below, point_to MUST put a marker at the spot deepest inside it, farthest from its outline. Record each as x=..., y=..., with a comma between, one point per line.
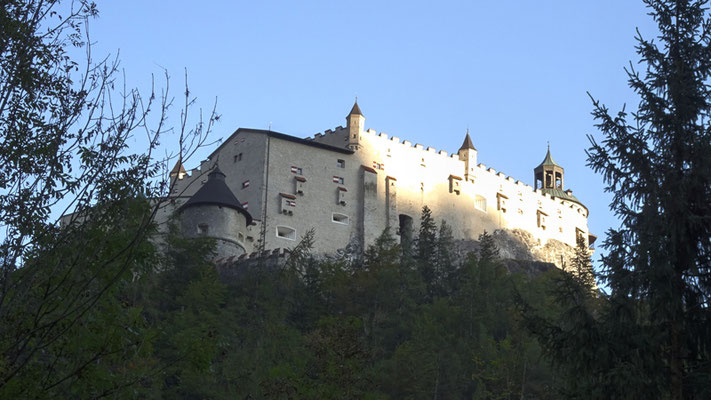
x=245, y=184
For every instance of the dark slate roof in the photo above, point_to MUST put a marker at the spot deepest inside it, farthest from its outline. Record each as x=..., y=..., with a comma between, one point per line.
x=215, y=192
x=467, y=143
x=281, y=136
x=560, y=193
x=355, y=110
x=548, y=161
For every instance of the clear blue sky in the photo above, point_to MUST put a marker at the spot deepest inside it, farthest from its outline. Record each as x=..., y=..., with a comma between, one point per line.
x=515, y=72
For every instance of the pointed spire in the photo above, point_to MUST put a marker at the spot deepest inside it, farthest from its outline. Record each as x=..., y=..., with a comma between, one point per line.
x=549, y=159
x=178, y=168
x=355, y=110
x=467, y=143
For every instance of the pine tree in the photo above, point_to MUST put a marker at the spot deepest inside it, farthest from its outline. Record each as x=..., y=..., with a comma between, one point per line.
x=488, y=250
x=582, y=264
x=426, y=255
x=446, y=266
x=655, y=329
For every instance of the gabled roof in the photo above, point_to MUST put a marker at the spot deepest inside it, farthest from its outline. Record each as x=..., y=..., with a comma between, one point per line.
x=282, y=136
x=467, y=143
x=216, y=192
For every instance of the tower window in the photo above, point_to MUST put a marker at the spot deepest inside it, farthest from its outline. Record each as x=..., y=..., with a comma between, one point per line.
x=245, y=184
x=341, y=163
x=238, y=157
x=338, y=179
x=297, y=170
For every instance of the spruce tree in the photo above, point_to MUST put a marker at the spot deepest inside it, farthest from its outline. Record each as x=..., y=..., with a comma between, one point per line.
x=656, y=161
x=426, y=255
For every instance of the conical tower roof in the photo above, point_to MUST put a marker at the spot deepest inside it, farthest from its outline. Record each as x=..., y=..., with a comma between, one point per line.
x=467, y=143
x=216, y=192
x=355, y=110
x=548, y=161
x=178, y=168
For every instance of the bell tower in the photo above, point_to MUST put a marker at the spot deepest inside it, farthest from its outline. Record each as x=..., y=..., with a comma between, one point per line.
x=548, y=175
x=467, y=153
x=355, y=125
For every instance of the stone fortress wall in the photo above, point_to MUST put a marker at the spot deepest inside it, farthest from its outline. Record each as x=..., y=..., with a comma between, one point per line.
x=349, y=184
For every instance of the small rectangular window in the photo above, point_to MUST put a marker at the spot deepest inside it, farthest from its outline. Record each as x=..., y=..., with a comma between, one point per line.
x=501, y=201
x=245, y=184
x=541, y=219
x=245, y=205
x=238, y=157
x=288, y=203
x=341, y=196
x=300, y=182
x=202, y=229
x=286, y=232
x=339, y=218
x=338, y=179
x=297, y=170
x=480, y=203
x=341, y=163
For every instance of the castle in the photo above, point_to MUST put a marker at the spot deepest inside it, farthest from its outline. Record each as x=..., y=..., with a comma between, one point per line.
x=350, y=184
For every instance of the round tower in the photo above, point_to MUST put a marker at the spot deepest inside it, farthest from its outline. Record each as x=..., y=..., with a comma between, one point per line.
x=214, y=211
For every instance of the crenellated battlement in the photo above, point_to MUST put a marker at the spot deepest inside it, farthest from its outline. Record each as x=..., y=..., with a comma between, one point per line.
x=325, y=133
x=430, y=153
